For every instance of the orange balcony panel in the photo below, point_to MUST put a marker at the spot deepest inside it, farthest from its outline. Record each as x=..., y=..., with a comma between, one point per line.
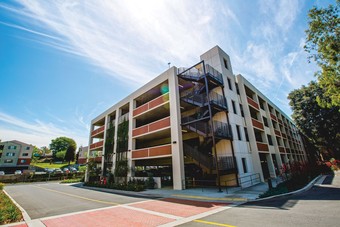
x=157, y=101
x=142, y=153
x=280, y=121
x=81, y=160
x=140, y=130
x=159, y=124
x=273, y=117
x=96, y=145
x=282, y=149
x=253, y=103
x=257, y=123
x=140, y=109
x=277, y=132
x=98, y=159
x=158, y=151
x=98, y=130
x=284, y=135
x=262, y=146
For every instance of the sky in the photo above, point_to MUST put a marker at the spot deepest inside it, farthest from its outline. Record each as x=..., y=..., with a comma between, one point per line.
x=62, y=63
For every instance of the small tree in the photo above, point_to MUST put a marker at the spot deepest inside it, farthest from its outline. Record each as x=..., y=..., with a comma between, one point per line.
x=60, y=155
x=61, y=144
x=70, y=153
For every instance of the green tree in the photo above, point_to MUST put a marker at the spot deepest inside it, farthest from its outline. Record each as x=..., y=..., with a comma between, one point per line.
x=61, y=144
x=60, y=155
x=323, y=45
x=321, y=125
x=70, y=153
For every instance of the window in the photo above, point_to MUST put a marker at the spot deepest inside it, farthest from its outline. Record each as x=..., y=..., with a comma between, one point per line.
x=24, y=154
x=238, y=132
x=246, y=134
x=237, y=89
x=265, y=121
x=225, y=63
x=229, y=84
x=234, y=107
x=244, y=164
x=241, y=109
x=258, y=136
x=270, y=141
x=12, y=147
x=27, y=148
x=10, y=154
x=278, y=141
x=22, y=161
x=9, y=161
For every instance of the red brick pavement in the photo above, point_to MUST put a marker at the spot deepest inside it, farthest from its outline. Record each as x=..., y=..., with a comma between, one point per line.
x=178, y=207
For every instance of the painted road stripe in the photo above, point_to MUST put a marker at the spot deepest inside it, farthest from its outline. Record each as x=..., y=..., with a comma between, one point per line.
x=77, y=196
x=213, y=223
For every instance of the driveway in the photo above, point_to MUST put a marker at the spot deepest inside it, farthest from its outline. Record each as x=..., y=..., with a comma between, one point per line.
x=49, y=199
x=319, y=206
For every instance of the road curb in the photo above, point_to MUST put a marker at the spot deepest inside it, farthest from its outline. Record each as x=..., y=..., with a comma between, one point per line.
x=306, y=188
x=25, y=215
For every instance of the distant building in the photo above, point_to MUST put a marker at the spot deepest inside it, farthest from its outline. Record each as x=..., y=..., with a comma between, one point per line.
x=82, y=154
x=201, y=123
x=15, y=154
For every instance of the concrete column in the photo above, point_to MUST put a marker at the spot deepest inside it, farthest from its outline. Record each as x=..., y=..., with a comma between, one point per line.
x=131, y=165
x=87, y=175
x=115, y=143
x=176, y=132
x=103, y=152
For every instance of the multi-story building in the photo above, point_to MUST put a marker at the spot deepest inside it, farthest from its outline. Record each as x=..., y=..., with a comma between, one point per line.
x=199, y=123
x=15, y=154
x=82, y=154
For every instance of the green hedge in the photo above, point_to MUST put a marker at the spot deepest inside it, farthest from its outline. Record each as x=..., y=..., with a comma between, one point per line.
x=135, y=185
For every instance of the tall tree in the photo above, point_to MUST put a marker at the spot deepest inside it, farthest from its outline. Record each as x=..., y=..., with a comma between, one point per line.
x=323, y=45
x=61, y=144
x=321, y=125
x=70, y=153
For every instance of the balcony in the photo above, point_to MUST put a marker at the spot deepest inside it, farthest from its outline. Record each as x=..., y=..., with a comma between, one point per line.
x=282, y=149
x=151, y=104
x=257, y=124
x=163, y=150
x=154, y=126
x=253, y=103
x=280, y=121
x=97, y=145
x=273, y=117
x=277, y=132
x=98, y=131
x=284, y=135
x=262, y=146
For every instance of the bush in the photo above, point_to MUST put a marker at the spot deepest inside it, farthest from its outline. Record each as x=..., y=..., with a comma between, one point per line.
x=67, y=181
x=133, y=185
x=8, y=211
x=1, y=186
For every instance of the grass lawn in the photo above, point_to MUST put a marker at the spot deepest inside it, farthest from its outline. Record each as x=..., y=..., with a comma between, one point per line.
x=53, y=165
x=8, y=211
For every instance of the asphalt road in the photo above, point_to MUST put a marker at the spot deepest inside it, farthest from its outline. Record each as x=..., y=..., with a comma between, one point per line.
x=49, y=199
x=320, y=206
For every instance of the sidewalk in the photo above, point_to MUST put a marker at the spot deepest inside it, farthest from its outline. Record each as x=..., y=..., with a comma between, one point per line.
x=231, y=195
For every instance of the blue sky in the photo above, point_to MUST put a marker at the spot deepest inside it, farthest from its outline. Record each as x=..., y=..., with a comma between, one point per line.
x=62, y=63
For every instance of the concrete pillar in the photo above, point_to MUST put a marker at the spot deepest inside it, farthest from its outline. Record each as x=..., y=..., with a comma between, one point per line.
x=131, y=164
x=176, y=132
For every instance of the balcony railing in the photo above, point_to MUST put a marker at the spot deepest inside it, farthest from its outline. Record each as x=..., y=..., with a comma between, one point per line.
x=151, y=104
x=224, y=163
x=214, y=73
x=253, y=103
x=154, y=126
x=262, y=146
x=163, y=150
x=273, y=117
x=97, y=145
x=277, y=132
x=257, y=124
x=98, y=130
x=222, y=130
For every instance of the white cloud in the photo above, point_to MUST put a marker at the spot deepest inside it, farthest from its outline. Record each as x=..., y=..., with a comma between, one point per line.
x=131, y=40
x=37, y=133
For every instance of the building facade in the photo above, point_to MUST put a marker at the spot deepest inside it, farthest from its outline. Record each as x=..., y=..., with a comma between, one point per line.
x=199, y=124
x=15, y=154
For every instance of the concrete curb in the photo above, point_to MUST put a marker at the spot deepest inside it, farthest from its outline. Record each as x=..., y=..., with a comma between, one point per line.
x=128, y=193
x=306, y=188
x=25, y=215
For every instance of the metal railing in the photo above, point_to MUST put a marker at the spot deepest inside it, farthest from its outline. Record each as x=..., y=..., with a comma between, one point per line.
x=197, y=156
x=222, y=129
x=214, y=73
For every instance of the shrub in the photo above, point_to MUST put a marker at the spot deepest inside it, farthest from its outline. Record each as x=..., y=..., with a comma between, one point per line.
x=1, y=186
x=134, y=185
x=67, y=181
